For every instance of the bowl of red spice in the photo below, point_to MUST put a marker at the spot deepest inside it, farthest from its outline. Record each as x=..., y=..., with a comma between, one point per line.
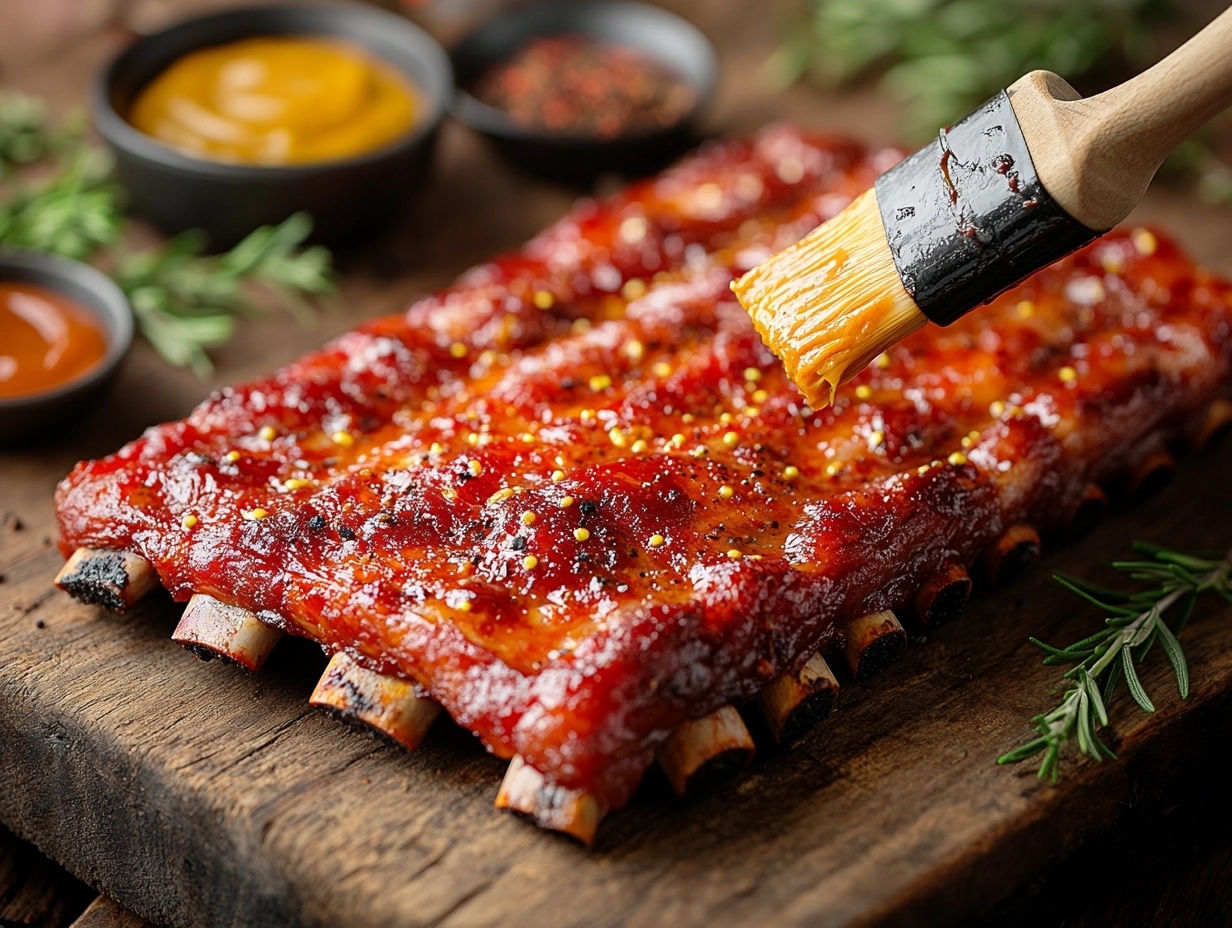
x=574, y=90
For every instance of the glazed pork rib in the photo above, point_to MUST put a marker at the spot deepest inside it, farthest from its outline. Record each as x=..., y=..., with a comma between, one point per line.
x=576, y=503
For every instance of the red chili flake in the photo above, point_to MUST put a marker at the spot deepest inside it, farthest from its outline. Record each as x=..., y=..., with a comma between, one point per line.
x=575, y=85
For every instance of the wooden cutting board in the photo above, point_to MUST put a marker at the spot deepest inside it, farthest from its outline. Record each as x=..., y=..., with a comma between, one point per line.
x=198, y=795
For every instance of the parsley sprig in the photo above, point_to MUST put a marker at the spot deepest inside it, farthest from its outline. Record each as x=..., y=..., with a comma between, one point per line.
x=1134, y=622
x=185, y=301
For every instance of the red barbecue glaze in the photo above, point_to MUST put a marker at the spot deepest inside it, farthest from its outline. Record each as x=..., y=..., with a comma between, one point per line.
x=585, y=662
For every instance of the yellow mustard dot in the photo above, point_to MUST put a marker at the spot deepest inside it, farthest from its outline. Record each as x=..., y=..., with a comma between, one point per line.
x=677, y=439
x=580, y=326
x=543, y=299
x=966, y=441
x=436, y=448
x=726, y=418
x=464, y=606
x=255, y=515
x=876, y=438
x=656, y=541
x=617, y=437
x=1144, y=240
x=501, y=495
x=566, y=502
x=634, y=350
x=231, y=456
x=688, y=418
x=791, y=472
x=527, y=437
x=957, y=458
x=661, y=369
x=883, y=360
x=639, y=446
x=731, y=439
x=750, y=411
x=1067, y=374
x=752, y=374
x=297, y=483
x=581, y=534
x=587, y=415
x=760, y=396
x=997, y=408
x=600, y=382
x=267, y=433
x=528, y=518
x=189, y=520
x=734, y=554
x=558, y=476
x=474, y=467
x=345, y=439
x=633, y=288
x=833, y=468
x=530, y=562
x=449, y=493
x=922, y=469
x=864, y=391
x=1025, y=308
x=726, y=492
x=472, y=439
x=457, y=350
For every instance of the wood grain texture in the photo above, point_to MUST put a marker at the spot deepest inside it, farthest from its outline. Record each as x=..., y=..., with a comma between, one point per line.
x=34, y=892
x=198, y=795
x=107, y=913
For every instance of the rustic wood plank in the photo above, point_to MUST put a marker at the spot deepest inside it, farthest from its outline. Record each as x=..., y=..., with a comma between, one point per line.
x=34, y=892
x=199, y=796
x=107, y=913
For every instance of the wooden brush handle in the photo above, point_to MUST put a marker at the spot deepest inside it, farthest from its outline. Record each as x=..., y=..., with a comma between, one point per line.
x=1097, y=155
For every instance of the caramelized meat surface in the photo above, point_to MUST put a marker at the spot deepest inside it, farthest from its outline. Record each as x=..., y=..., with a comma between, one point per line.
x=576, y=499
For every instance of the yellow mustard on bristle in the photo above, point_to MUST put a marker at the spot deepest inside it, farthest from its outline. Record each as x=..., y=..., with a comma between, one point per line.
x=832, y=302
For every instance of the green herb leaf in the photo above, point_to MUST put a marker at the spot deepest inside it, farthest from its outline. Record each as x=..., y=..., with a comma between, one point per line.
x=185, y=302
x=1116, y=650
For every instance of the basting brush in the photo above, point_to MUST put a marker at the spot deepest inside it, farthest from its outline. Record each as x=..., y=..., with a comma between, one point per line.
x=1032, y=175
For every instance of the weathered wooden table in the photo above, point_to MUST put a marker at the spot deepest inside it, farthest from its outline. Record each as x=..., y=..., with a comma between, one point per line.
x=198, y=795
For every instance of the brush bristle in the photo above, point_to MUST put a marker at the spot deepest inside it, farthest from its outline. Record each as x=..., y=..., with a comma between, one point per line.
x=832, y=302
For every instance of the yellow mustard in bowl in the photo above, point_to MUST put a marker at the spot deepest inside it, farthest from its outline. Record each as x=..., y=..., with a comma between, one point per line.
x=277, y=100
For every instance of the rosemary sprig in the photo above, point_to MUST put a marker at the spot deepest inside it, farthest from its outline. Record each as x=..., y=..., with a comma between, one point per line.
x=185, y=302
x=1134, y=622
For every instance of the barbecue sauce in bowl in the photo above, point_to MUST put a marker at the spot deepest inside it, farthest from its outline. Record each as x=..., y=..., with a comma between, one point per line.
x=46, y=340
x=277, y=100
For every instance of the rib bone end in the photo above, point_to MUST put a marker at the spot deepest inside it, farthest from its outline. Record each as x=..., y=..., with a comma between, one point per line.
x=1152, y=474
x=943, y=596
x=705, y=751
x=210, y=628
x=794, y=703
x=386, y=704
x=874, y=642
x=111, y=579
x=1016, y=550
x=1218, y=418
x=570, y=811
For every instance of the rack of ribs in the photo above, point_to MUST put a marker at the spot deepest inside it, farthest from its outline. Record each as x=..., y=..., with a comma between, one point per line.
x=575, y=503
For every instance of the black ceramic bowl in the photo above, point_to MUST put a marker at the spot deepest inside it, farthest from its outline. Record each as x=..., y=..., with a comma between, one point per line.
x=345, y=198
x=662, y=36
x=24, y=417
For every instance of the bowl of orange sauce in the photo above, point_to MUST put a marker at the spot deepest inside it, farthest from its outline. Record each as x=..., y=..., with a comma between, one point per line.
x=239, y=119
x=64, y=330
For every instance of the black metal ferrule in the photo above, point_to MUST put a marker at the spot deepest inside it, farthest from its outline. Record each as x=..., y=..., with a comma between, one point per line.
x=967, y=217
